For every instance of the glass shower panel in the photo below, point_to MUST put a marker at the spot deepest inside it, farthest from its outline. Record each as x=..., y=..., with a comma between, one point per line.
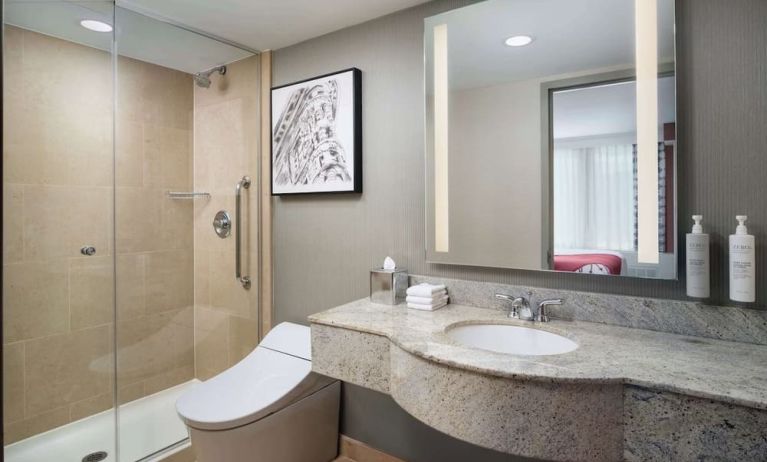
x=226, y=151
x=186, y=133
x=58, y=270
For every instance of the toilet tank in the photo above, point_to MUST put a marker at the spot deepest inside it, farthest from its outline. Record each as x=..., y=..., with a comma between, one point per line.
x=289, y=338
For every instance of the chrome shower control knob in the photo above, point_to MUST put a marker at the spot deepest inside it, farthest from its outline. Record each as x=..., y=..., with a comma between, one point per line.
x=88, y=250
x=222, y=224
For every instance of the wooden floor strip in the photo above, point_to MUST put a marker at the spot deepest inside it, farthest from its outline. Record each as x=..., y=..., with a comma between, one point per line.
x=357, y=451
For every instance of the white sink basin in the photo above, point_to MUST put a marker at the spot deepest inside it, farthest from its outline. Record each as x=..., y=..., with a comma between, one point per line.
x=511, y=339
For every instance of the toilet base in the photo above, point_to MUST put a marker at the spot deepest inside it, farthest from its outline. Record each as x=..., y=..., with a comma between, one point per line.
x=305, y=431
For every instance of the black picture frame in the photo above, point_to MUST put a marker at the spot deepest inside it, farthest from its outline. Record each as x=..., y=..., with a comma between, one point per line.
x=355, y=185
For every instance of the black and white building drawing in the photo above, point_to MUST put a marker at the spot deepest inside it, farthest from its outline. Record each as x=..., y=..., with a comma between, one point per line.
x=316, y=135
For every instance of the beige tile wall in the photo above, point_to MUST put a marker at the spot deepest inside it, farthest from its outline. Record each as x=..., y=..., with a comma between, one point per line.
x=226, y=147
x=57, y=157
x=154, y=239
x=57, y=306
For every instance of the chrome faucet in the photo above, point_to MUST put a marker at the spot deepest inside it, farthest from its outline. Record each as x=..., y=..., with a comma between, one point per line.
x=520, y=307
x=541, y=316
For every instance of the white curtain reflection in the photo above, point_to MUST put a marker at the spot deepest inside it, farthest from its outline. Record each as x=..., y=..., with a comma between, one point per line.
x=593, y=198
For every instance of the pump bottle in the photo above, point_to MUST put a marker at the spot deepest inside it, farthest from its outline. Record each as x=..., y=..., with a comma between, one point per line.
x=698, y=262
x=742, y=263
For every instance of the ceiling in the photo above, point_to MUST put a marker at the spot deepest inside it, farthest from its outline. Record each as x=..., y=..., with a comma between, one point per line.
x=269, y=24
x=145, y=28
x=572, y=39
x=569, y=37
x=137, y=36
x=61, y=19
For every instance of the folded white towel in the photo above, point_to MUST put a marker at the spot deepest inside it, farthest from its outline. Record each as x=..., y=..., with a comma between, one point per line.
x=418, y=306
x=442, y=297
x=425, y=289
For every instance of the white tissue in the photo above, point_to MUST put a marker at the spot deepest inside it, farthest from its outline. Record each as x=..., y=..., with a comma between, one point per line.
x=389, y=264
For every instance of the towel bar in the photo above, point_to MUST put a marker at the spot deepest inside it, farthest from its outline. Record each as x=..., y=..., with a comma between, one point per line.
x=187, y=195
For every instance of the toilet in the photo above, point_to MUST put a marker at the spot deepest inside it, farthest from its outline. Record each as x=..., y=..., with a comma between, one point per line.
x=268, y=407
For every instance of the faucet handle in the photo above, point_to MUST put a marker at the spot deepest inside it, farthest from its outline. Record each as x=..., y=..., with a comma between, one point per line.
x=541, y=316
x=513, y=312
x=518, y=304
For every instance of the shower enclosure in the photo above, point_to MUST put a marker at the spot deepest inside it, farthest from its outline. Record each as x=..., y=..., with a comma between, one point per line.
x=123, y=138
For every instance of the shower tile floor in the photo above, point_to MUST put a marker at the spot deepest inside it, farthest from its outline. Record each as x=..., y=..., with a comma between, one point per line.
x=147, y=425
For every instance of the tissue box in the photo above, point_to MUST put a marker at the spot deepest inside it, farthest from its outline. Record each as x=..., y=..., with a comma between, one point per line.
x=388, y=287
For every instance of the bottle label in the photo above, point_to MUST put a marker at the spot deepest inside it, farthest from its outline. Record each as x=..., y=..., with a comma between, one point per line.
x=742, y=271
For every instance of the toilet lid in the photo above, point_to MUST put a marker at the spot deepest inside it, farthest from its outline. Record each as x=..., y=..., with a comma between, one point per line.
x=293, y=339
x=261, y=384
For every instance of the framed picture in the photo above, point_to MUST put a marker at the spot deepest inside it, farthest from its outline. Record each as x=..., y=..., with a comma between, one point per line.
x=317, y=135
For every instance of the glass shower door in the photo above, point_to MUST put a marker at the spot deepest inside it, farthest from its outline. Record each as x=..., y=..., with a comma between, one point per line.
x=155, y=336
x=186, y=133
x=58, y=250
x=119, y=149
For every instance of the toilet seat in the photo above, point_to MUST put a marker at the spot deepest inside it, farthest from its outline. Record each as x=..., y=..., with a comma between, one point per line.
x=262, y=383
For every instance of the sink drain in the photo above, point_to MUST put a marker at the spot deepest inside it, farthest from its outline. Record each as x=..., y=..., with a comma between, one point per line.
x=95, y=456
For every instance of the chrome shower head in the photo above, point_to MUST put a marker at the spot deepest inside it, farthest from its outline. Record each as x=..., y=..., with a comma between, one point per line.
x=202, y=79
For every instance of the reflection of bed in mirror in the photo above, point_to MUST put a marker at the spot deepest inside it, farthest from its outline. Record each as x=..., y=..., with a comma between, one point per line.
x=594, y=180
x=592, y=261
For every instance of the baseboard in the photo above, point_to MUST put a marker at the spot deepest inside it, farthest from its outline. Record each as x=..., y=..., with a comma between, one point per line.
x=361, y=452
x=184, y=455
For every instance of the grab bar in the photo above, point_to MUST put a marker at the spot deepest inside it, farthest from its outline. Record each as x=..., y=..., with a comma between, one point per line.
x=244, y=280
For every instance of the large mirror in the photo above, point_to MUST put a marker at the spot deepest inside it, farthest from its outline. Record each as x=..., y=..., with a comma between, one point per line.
x=551, y=136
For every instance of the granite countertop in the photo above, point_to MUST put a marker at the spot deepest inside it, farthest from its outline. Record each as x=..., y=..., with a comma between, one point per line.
x=706, y=368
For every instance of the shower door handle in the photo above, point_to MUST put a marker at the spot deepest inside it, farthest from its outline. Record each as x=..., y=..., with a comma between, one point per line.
x=244, y=183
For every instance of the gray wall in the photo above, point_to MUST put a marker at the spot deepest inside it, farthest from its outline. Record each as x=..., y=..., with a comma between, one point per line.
x=402, y=435
x=324, y=246
x=495, y=133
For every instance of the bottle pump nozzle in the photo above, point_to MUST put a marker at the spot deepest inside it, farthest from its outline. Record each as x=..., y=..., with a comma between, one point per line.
x=697, y=228
x=741, y=229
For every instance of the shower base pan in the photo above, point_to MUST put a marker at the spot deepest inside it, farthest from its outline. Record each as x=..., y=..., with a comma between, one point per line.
x=148, y=427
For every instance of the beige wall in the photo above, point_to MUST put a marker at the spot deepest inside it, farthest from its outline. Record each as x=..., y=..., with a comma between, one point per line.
x=226, y=147
x=58, y=168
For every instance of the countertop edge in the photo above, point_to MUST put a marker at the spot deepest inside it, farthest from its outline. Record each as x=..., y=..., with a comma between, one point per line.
x=608, y=379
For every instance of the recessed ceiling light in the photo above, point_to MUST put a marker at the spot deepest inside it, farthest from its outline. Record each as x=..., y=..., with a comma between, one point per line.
x=96, y=26
x=519, y=40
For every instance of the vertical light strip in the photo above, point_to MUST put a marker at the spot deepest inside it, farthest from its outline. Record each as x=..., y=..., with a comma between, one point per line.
x=647, y=129
x=441, y=210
